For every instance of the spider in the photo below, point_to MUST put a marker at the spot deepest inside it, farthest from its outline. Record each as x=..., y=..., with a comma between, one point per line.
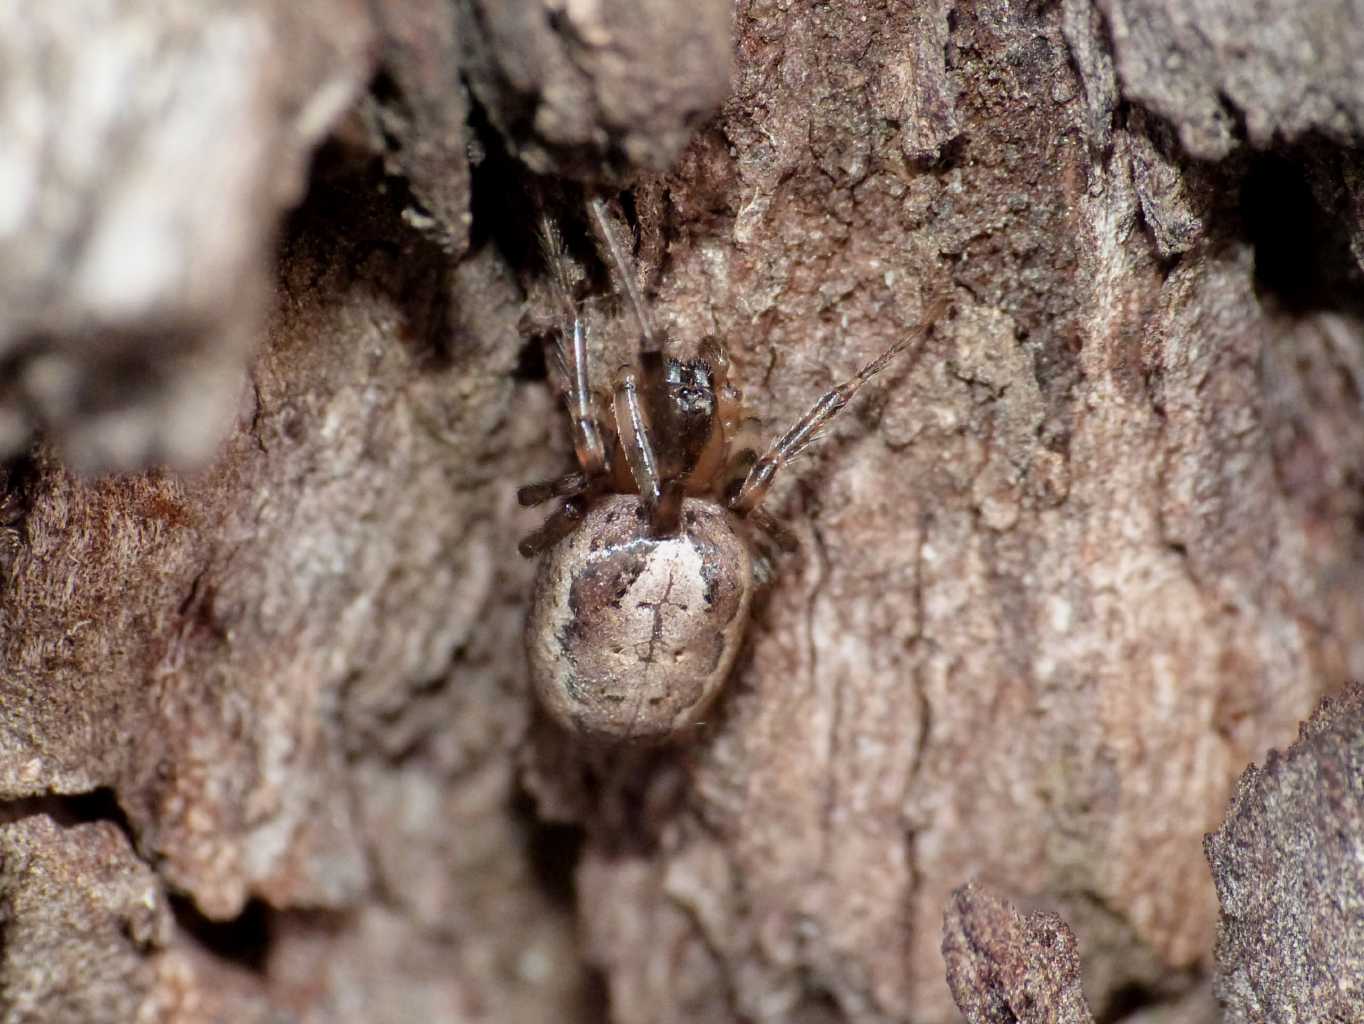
x=650, y=563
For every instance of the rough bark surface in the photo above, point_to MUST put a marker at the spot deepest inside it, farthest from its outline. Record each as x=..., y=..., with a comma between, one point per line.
x=1264, y=71
x=1289, y=869
x=1004, y=968
x=82, y=912
x=597, y=88
x=1067, y=568
x=150, y=148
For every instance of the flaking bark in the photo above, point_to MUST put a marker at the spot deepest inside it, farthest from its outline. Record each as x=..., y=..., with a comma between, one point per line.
x=1067, y=568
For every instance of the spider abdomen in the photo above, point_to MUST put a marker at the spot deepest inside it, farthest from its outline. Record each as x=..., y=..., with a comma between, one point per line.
x=631, y=637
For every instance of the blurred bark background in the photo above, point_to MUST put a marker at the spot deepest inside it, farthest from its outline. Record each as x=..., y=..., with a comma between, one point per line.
x=266, y=749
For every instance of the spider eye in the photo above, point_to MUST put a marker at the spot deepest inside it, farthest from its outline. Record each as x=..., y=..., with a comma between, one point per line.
x=693, y=399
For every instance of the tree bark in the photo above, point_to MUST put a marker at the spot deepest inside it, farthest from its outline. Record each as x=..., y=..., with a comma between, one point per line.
x=1067, y=567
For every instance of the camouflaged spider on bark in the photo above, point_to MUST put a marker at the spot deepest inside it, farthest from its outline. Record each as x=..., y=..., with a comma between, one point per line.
x=650, y=562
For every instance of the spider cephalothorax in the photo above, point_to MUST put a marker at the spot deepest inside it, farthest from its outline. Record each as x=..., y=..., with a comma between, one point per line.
x=650, y=561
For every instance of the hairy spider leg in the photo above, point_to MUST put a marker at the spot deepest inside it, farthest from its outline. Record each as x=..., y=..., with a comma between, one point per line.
x=662, y=499
x=587, y=439
x=561, y=522
x=713, y=459
x=743, y=442
x=601, y=222
x=573, y=382
x=729, y=400
x=781, y=534
x=566, y=486
x=759, y=480
x=572, y=379
x=552, y=250
x=691, y=451
x=571, y=355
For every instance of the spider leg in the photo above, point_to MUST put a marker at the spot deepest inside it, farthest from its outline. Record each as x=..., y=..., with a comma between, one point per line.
x=782, y=535
x=570, y=357
x=587, y=439
x=601, y=223
x=556, y=259
x=570, y=485
x=662, y=496
x=561, y=522
x=728, y=399
x=742, y=445
x=759, y=480
x=662, y=499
